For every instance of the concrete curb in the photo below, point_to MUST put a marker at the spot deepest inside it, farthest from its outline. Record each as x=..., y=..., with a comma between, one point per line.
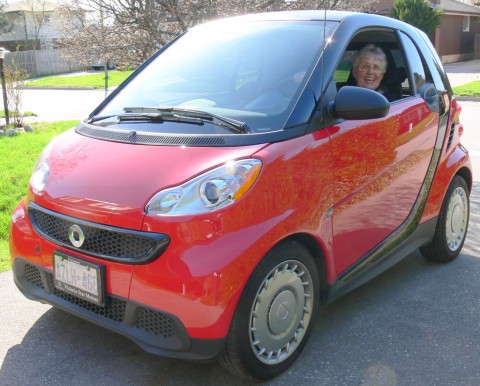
x=462, y=98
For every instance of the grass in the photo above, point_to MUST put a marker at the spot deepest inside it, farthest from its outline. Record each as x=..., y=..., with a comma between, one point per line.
x=25, y=114
x=95, y=80
x=468, y=89
x=341, y=76
x=4, y=256
x=18, y=157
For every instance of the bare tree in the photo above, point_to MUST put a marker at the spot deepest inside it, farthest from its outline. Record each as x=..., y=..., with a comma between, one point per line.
x=95, y=37
x=129, y=31
x=15, y=79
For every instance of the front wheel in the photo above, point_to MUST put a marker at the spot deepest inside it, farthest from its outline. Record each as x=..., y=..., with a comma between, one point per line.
x=274, y=315
x=452, y=223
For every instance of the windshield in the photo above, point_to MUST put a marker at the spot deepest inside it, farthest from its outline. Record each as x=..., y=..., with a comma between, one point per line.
x=252, y=72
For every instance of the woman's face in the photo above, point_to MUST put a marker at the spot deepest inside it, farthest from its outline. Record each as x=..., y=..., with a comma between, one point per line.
x=369, y=72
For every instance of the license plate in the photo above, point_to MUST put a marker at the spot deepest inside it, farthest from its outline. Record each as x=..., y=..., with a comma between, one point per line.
x=79, y=278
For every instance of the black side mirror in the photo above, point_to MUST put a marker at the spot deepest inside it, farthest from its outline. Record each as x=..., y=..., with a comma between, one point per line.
x=429, y=94
x=359, y=103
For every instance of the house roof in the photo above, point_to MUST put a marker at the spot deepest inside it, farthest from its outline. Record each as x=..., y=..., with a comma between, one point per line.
x=451, y=6
x=31, y=6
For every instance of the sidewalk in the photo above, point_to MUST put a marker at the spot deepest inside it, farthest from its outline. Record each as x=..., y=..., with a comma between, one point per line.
x=463, y=72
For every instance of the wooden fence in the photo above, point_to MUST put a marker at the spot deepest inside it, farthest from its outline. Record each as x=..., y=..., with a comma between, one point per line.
x=477, y=47
x=44, y=62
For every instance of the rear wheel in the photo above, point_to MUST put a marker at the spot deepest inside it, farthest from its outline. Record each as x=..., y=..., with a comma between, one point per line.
x=274, y=315
x=452, y=223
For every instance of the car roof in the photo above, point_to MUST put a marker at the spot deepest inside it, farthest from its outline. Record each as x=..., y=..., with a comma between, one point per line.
x=304, y=15
x=301, y=15
x=353, y=19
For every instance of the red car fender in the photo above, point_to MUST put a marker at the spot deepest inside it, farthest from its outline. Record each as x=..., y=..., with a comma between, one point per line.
x=211, y=256
x=457, y=161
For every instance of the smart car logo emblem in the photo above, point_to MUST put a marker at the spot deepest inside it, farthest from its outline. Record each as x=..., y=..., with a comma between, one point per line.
x=76, y=236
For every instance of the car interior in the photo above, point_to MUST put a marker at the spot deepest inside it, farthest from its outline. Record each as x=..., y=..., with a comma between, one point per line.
x=395, y=80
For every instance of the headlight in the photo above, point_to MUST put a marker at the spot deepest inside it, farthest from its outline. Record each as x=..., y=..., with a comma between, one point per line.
x=39, y=176
x=41, y=170
x=212, y=190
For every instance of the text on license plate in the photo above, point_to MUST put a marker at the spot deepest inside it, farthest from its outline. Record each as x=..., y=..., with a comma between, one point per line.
x=79, y=278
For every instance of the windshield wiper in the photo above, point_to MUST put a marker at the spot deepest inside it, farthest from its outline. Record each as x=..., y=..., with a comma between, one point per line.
x=97, y=118
x=157, y=117
x=176, y=113
x=147, y=116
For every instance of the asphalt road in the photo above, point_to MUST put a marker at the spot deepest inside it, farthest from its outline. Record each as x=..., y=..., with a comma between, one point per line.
x=417, y=324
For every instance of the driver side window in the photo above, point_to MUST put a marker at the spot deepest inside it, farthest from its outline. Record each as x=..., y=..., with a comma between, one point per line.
x=416, y=64
x=375, y=60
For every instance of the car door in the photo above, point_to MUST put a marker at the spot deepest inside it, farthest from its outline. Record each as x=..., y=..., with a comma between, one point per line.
x=380, y=166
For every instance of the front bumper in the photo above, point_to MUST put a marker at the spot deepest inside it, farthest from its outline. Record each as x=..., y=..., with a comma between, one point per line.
x=155, y=331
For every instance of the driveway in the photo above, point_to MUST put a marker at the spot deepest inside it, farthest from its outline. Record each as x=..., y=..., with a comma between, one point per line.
x=59, y=105
x=463, y=72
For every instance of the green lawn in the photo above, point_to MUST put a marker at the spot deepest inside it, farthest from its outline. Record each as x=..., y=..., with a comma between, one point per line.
x=469, y=89
x=18, y=157
x=94, y=80
x=97, y=81
x=25, y=114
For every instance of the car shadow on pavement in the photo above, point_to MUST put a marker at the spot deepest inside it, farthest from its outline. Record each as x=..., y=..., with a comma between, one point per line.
x=418, y=323
x=61, y=348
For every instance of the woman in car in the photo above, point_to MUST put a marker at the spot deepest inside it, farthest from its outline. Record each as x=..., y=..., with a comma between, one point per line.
x=368, y=69
x=369, y=66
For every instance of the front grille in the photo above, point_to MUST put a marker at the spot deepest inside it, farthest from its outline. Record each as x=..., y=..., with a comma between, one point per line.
x=32, y=274
x=147, y=320
x=155, y=323
x=97, y=241
x=113, y=310
x=111, y=243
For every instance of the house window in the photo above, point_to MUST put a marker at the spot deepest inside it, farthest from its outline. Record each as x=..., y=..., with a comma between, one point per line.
x=466, y=23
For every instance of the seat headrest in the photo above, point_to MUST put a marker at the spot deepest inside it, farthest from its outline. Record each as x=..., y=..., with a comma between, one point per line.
x=397, y=76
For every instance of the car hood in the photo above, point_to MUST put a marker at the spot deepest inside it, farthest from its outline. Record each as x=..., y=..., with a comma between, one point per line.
x=110, y=183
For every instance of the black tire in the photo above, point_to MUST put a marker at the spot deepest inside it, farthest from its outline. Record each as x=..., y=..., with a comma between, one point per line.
x=452, y=224
x=275, y=314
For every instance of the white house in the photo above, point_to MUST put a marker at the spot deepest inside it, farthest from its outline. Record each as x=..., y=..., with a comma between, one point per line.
x=33, y=25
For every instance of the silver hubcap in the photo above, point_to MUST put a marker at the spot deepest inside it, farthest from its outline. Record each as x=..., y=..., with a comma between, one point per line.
x=457, y=216
x=281, y=312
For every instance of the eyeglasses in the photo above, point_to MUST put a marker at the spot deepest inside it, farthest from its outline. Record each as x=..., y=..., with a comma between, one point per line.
x=373, y=69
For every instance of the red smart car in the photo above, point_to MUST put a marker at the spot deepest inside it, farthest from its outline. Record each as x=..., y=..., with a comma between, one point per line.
x=239, y=179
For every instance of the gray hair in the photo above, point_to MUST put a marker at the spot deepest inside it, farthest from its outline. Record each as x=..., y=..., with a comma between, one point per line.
x=371, y=50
